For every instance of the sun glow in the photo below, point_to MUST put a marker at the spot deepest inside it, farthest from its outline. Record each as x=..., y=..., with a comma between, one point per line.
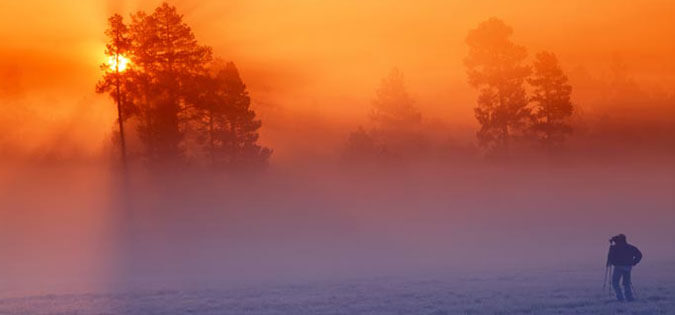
x=114, y=61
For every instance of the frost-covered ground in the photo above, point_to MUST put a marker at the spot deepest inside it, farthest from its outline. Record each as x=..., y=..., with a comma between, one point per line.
x=562, y=291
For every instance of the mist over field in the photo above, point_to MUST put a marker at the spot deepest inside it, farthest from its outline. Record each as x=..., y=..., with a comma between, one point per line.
x=309, y=157
x=74, y=224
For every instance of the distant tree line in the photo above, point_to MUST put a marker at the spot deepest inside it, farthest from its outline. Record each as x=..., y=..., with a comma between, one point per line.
x=186, y=105
x=507, y=114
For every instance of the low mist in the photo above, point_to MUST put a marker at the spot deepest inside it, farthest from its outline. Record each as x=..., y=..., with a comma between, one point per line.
x=81, y=225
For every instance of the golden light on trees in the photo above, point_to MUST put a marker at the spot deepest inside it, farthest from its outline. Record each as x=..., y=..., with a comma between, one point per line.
x=118, y=63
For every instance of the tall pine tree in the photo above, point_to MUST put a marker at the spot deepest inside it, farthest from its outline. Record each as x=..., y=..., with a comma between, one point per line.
x=226, y=120
x=243, y=125
x=393, y=108
x=551, y=100
x=115, y=80
x=396, y=125
x=495, y=67
x=170, y=59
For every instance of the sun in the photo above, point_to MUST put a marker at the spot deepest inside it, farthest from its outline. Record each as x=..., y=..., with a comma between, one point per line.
x=113, y=63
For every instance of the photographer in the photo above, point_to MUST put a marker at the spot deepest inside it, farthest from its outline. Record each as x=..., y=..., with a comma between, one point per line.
x=622, y=256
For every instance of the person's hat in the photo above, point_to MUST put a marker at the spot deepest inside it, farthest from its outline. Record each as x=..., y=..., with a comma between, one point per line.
x=618, y=239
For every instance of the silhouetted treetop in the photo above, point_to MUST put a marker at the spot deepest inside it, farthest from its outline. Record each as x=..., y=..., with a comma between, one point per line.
x=166, y=44
x=118, y=46
x=493, y=57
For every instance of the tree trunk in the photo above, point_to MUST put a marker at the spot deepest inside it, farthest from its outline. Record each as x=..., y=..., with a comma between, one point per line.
x=212, y=147
x=120, y=117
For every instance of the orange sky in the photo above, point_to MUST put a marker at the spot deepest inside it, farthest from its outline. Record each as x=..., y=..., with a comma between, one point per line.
x=313, y=63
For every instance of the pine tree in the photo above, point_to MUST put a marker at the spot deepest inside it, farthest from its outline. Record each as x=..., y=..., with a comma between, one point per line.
x=495, y=67
x=551, y=99
x=393, y=108
x=395, y=133
x=243, y=125
x=226, y=119
x=396, y=121
x=115, y=81
x=170, y=58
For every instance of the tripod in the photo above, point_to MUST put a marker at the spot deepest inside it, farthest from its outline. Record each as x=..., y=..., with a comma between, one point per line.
x=607, y=282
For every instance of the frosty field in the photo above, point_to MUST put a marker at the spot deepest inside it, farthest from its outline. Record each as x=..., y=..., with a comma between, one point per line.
x=576, y=291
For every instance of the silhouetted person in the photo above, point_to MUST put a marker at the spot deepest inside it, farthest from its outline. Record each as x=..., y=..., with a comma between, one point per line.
x=623, y=257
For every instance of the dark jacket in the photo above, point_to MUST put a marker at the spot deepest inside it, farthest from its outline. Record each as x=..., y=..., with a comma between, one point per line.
x=623, y=254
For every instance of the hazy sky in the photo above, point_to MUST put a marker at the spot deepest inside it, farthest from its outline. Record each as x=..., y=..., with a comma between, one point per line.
x=314, y=63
